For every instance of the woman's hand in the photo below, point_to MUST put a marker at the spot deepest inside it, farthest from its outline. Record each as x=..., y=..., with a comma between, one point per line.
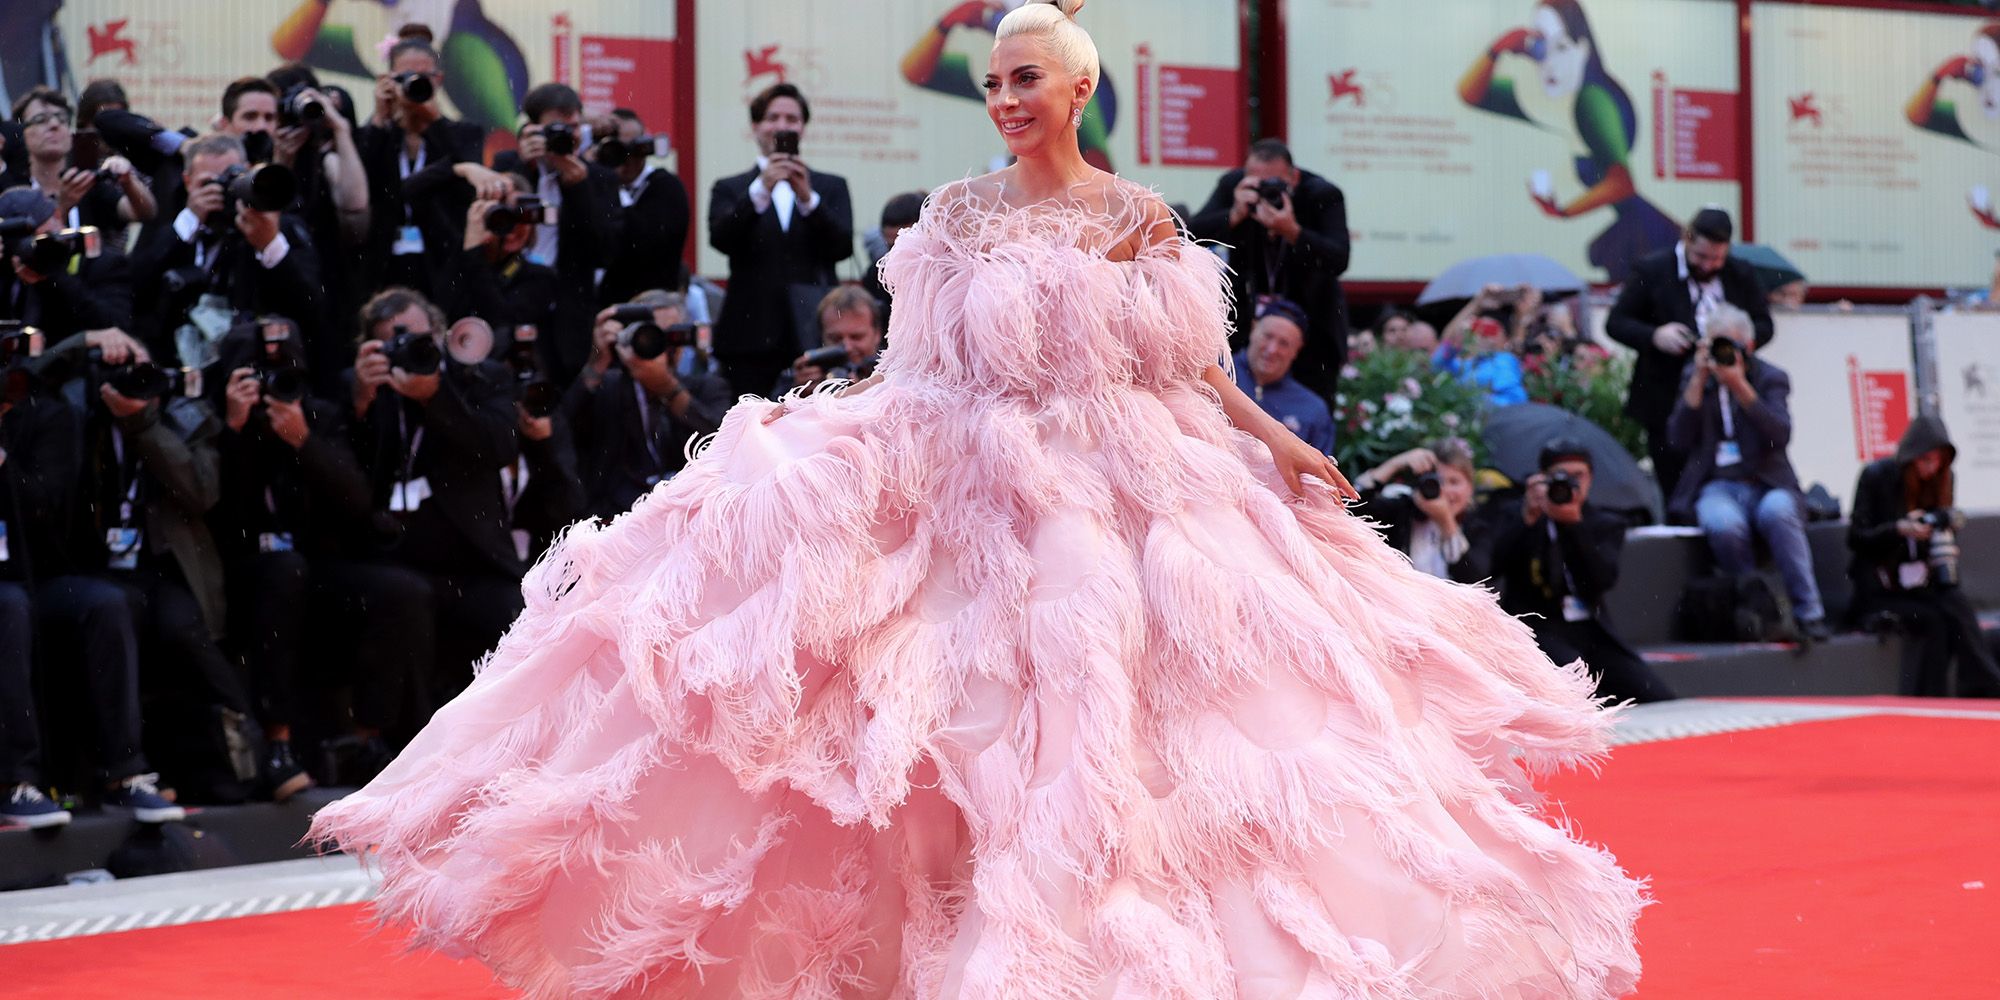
x=1296, y=459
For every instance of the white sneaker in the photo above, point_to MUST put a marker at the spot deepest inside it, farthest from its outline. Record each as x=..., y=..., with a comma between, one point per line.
x=27, y=806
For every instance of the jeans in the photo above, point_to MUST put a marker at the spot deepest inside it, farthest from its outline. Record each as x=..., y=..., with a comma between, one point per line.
x=1726, y=511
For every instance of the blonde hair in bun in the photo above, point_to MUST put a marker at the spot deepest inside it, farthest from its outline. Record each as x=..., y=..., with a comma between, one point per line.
x=1054, y=21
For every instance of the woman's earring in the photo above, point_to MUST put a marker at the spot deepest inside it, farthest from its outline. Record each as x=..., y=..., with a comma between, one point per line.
x=1077, y=119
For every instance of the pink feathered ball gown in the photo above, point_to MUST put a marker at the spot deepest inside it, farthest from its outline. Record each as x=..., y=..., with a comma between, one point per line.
x=1020, y=675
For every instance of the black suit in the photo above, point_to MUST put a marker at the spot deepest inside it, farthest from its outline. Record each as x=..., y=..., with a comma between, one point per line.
x=1306, y=272
x=98, y=295
x=431, y=198
x=292, y=289
x=755, y=337
x=587, y=229
x=1654, y=296
x=1535, y=569
x=611, y=435
x=652, y=239
x=506, y=294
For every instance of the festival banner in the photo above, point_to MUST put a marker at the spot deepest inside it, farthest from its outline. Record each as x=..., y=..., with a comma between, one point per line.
x=1968, y=371
x=1878, y=143
x=1853, y=390
x=897, y=104
x=174, y=57
x=1585, y=130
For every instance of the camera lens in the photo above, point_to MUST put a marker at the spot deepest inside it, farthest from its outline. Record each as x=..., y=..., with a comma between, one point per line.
x=1561, y=491
x=646, y=341
x=1722, y=351
x=541, y=399
x=415, y=353
x=1429, y=486
x=416, y=87
x=286, y=384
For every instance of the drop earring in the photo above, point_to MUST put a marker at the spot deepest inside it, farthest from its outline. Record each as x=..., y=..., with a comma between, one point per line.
x=1076, y=120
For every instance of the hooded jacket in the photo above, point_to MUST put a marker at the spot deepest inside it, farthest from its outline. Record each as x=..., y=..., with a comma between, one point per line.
x=1879, y=504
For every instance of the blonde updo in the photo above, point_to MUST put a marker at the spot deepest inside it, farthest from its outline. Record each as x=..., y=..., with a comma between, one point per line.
x=1054, y=21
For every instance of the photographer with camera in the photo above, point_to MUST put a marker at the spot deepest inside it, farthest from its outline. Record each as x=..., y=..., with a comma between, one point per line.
x=633, y=418
x=316, y=140
x=491, y=275
x=414, y=155
x=654, y=212
x=1733, y=422
x=1287, y=233
x=543, y=489
x=434, y=424
x=250, y=113
x=1664, y=310
x=89, y=187
x=850, y=324
x=1264, y=373
x=1554, y=557
x=1421, y=502
x=1903, y=533
x=149, y=476
x=56, y=280
x=783, y=227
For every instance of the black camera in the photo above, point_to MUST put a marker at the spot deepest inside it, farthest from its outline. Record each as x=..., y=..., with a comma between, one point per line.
x=1429, y=486
x=632, y=313
x=18, y=343
x=826, y=357
x=1944, y=545
x=786, y=142
x=300, y=107
x=526, y=209
x=415, y=353
x=144, y=380
x=1722, y=351
x=182, y=280
x=614, y=153
x=648, y=340
x=416, y=87
x=282, y=381
x=259, y=147
x=560, y=138
x=1273, y=191
x=1561, y=488
x=267, y=187
x=539, y=396
x=48, y=253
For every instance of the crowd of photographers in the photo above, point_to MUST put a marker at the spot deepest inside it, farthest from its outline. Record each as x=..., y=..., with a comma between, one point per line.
x=292, y=403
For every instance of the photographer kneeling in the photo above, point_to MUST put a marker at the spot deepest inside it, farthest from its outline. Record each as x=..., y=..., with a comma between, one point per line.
x=1555, y=557
x=1903, y=535
x=1419, y=501
x=850, y=330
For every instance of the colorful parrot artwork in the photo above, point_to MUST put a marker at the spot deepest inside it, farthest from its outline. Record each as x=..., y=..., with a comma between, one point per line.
x=485, y=75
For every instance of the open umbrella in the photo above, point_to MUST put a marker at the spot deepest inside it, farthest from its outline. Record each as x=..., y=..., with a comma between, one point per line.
x=1515, y=435
x=1464, y=279
x=1773, y=270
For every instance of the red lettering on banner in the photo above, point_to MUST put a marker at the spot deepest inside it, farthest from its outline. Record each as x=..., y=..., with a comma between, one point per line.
x=1881, y=402
x=559, y=26
x=1200, y=117
x=1660, y=143
x=634, y=73
x=1144, y=72
x=1704, y=135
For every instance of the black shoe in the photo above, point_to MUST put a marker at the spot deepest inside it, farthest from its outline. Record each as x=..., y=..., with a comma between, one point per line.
x=1815, y=630
x=282, y=773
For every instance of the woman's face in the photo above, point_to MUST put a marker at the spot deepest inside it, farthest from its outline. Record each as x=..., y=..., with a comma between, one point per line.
x=1930, y=463
x=1987, y=52
x=1564, y=62
x=1456, y=489
x=1394, y=330
x=1030, y=96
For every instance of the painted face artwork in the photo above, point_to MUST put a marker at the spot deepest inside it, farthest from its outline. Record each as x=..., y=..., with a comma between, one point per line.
x=1987, y=53
x=1564, y=61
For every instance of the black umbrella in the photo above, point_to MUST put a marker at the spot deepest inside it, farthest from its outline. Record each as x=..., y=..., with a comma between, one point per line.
x=1773, y=270
x=1515, y=435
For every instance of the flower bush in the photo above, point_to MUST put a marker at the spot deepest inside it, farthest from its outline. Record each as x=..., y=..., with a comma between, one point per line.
x=1590, y=383
x=1391, y=401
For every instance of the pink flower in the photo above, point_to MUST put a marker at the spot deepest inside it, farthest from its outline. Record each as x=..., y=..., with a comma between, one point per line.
x=1412, y=389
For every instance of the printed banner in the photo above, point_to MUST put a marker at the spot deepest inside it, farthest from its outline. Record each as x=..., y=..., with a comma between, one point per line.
x=1878, y=143
x=1968, y=370
x=1853, y=390
x=1572, y=128
x=897, y=103
x=174, y=57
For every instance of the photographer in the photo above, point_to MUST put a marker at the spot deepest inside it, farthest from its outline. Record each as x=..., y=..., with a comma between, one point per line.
x=1905, y=565
x=1287, y=233
x=150, y=474
x=850, y=324
x=315, y=139
x=583, y=197
x=433, y=427
x=50, y=281
x=1420, y=501
x=250, y=113
x=543, y=489
x=413, y=155
x=491, y=276
x=1555, y=557
x=230, y=251
x=783, y=227
x=105, y=191
x=1733, y=422
x=654, y=213
x=633, y=419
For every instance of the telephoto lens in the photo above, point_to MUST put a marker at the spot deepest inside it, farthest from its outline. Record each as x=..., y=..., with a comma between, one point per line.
x=283, y=382
x=415, y=353
x=645, y=340
x=826, y=357
x=1722, y=351
x=301, y=108
x=416, y=87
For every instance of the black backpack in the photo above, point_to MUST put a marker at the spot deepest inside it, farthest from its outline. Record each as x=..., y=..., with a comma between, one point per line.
x=1722, y=608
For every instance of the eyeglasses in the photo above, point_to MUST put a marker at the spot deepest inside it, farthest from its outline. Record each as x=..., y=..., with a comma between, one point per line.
x=47, y=117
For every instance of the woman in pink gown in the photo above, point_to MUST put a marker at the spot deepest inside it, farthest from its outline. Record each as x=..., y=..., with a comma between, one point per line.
x=1040, y=665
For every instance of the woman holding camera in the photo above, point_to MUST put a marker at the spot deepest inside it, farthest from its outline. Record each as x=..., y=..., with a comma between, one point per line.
x=1905, y=565
x=1419, y=501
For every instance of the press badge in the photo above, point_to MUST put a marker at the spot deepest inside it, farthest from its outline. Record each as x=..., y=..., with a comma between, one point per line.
x=409, y=240
x=122, y=546
x=407, y=497
x=1574, y=610
x=274, y=541
x=1728, y=453
x=1913, y=575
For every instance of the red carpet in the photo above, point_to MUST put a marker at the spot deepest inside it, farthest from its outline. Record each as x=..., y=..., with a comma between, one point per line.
x=1825, y=860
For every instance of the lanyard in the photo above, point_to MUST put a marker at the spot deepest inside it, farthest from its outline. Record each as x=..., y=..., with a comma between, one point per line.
x=411, y=443
x=1568, y=581
x=126, y=506
x=408, y=167
x=1728, y=422
x=646, y=426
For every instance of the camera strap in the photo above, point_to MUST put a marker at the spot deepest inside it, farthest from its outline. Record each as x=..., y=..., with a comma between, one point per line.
x=648, y=422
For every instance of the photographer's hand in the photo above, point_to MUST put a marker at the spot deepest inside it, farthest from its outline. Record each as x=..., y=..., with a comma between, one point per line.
x=801, y=180
x=1438, y=511
x=476, y=235
x=533, y=145
x=242, y=396
x=371, y=373
x=1279, y=220
x=421, y=388
x=116, y=346
x=779, y=171
x=1673, y=338
x=1914, y=527
x=1245, y=203
x=120, y=405
x=75, y=185
x=387, y=96
x=570, y=169
x=1566, y=513
x=260, y=228
x=1697, y=386
x=288, y=421
x=1535, y=500
x=28, y=275
x=487, y=184
x=286, y=143
x=603, y=345
x=533, y=428
x=205, y=200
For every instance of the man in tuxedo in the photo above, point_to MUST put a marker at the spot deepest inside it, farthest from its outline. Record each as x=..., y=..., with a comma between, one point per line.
x=653, y=203
x=783, y=227
x=1663, y=311
x=1291, y=243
